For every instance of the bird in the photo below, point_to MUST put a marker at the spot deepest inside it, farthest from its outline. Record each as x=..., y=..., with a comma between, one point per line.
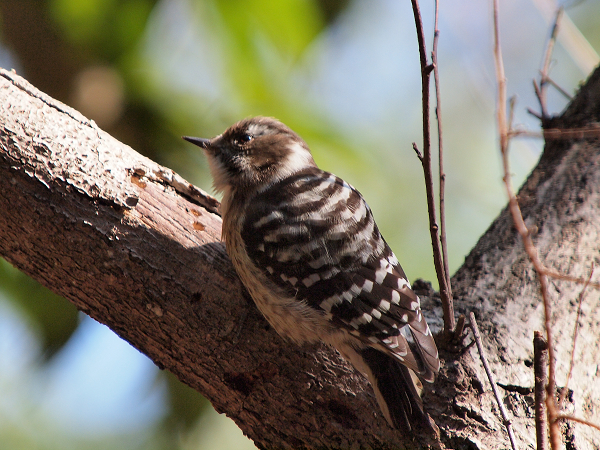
x=307, y=249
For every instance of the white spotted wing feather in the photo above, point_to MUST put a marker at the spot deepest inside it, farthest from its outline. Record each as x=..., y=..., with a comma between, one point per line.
x=314, y=237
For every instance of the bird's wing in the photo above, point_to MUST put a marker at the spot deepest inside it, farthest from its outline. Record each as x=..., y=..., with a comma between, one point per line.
x=314, y=236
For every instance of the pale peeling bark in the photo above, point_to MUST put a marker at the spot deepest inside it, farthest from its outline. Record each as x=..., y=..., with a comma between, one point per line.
x=137, y=248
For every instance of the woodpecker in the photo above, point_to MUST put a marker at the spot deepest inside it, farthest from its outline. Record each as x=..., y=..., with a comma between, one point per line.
x=306, y=247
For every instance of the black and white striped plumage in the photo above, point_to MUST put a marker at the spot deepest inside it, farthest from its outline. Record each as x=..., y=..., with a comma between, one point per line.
x=306, y=246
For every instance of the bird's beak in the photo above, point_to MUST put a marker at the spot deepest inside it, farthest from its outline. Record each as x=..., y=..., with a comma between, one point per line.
x=200, y=142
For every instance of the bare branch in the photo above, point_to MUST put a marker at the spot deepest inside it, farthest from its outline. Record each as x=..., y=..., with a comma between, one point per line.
x=535, y=114
x=515, y=210
x=540, y=360
x=417, y=151
x=550, y=45
x=577, y=419
x=426, y=69
x=544, y=73
x=560, y=89
x=564, y=390
x=503, y=413
x=557, y=134
x=442, y=175
x=561, y=276
x=460, y=328
x=501, y=80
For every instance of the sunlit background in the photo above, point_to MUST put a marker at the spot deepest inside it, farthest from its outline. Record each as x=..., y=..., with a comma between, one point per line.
x=343, y=74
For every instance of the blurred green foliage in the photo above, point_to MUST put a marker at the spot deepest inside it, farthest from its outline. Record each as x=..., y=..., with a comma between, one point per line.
x=106, y=29
x=52, y=318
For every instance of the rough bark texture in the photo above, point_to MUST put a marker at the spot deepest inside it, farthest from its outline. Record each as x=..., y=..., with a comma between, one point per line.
x=137, y=248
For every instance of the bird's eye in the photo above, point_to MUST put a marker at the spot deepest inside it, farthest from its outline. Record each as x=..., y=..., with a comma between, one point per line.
x=243, y=139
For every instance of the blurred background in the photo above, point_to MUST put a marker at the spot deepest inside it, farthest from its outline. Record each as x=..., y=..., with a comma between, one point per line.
x=343, y=74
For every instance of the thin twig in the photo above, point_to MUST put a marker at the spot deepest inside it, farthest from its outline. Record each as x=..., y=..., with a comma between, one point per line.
x=561, y=90
x=550, y=44
x=593, y=131
x=542, y=272
x=511, y=114
x=490, y=376
x=442, y=175
x=418, y=152
x=426, y=70
x=560, y=276
x=551, y=414
x=564, y=390
x=577, y=419
x=501, y=101
x=540, y=359
x=420, y=39
x=458, y=331
x=544, y=75
x=538, y=94
x=466, y=348
x=535, y=114
x=519, y=223
x=556, y=134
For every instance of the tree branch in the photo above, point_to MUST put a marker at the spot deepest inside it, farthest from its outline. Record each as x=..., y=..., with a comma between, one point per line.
x=505, y=419
x=540, y=365
x=107, y=228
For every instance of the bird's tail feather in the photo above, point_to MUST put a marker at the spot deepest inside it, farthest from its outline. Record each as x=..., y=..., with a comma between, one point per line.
x=396, y=392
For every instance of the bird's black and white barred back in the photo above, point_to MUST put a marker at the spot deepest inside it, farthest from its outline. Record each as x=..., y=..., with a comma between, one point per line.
x=306, y=246
x=314, y=236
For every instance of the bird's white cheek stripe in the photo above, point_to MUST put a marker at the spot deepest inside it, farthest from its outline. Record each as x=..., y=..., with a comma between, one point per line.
x=298, y=158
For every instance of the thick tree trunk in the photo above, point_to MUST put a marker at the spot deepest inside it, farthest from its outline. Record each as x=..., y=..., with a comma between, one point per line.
x=137, y=248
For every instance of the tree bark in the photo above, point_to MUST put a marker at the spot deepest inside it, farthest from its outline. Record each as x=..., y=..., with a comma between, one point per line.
x=137, y=248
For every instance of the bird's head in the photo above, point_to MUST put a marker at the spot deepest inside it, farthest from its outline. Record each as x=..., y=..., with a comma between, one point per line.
x=254, y=153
